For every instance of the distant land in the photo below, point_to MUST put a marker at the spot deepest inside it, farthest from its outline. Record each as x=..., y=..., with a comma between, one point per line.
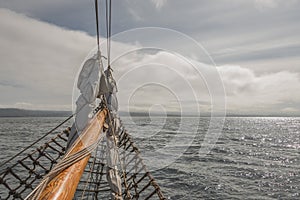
x=15, y=112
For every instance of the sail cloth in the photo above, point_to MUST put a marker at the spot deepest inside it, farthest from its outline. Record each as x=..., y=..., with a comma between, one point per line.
x=92, y=83
x=112, y=134
x=111, y=94
x=88, y=85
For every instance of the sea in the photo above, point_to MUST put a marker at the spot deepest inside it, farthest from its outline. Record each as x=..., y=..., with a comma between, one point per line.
x=249, y=157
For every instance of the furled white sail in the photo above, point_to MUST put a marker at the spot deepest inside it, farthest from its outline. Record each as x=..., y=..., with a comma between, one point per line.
x=113, y=177
x=88, y=85
x=92, y=83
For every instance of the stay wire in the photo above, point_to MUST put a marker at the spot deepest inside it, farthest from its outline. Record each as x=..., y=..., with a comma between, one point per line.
x=108, y=35
x=90, y=175
x=48, y=133
x=97, y=25
x=108, y=31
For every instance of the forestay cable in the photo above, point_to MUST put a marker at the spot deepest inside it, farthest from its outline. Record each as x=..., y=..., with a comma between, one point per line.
x=108, y=30
x=97, y=25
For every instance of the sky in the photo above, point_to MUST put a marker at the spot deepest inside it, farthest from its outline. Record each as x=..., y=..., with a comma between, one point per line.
x=169, y=55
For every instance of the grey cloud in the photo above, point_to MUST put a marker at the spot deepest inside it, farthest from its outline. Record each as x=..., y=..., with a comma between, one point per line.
x=246, y=91
x=234, y=32
x=40, y=69
x=68, y=13
x=244, y=26
x=262, y=94
x=289, y=51
x=5, y=83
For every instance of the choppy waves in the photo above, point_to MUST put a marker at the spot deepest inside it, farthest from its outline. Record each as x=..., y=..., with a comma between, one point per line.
x=254, y=158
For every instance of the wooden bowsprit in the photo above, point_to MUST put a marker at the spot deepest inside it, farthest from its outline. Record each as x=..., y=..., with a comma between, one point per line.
x=62, y=180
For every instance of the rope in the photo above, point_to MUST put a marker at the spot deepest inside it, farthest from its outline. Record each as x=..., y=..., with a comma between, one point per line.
x=108, y=35
x=115, y=140
x=63, y=164
x=141, y=183
x=97, y=25
x=67, y=161
x=90, y=173
x=99, y=175
x=48, y=133
x=124, y=141
x=108, y=30
x=21, y=177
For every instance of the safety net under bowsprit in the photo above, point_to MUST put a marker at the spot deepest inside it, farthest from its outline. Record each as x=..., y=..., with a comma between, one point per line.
x=24, y=172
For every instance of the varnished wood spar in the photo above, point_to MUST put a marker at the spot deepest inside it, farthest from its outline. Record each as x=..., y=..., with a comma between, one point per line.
x=64, y=185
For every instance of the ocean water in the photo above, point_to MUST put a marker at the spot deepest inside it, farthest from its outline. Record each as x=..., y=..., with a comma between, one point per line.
x=254, y=157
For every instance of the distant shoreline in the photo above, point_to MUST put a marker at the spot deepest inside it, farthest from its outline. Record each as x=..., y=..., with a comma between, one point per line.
x=15, y=112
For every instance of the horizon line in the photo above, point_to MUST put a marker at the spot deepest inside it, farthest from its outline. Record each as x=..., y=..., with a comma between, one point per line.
x=175, y=114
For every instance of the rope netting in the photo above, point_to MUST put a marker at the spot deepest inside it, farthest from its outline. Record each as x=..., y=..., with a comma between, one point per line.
x=17, y=180
x=137, y=181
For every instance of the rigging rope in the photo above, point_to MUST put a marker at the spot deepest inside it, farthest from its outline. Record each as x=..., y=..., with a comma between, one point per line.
x=108, y=30
x=68, y=160
x=90, y=173
x=48, y=133
x=123, y=141
x=97, y=25
x=108, y=39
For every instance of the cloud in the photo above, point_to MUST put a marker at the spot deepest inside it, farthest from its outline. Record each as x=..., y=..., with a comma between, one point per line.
x=159, y=3
x=269, y=4
x=183, y=85
x=266, y=3
x=73, y=14
x=135, y=14
x=38, y=60
x=255, y=38
x=264, y=94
